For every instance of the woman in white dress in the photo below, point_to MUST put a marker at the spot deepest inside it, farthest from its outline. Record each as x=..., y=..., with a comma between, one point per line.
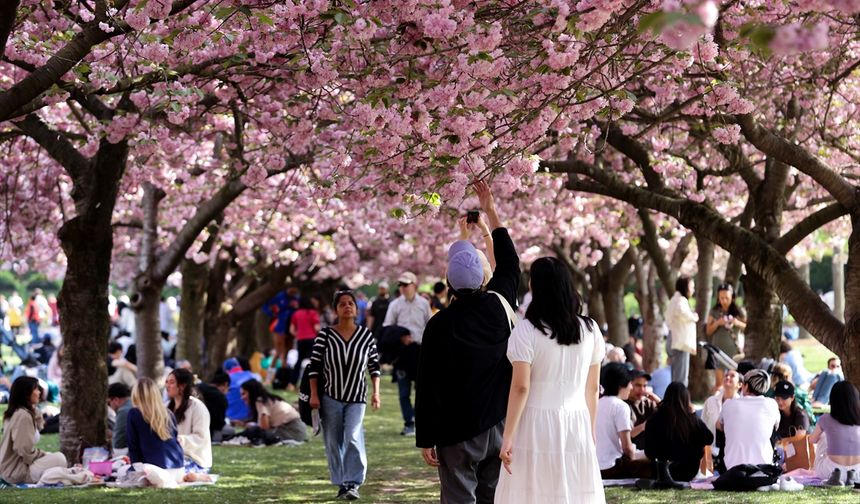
x=548, y=448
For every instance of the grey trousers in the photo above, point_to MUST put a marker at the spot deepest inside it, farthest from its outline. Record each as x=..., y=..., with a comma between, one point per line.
x=469, y=471
x=680, y=367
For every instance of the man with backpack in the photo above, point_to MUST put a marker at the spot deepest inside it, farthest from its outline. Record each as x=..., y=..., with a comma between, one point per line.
x=463, y=374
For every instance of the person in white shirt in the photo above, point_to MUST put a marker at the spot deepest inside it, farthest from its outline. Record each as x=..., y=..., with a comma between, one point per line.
x=616, y=453
x=192, y=421
x=681, y=320
x=714, y=405
x=749, y=422
x=412, y=312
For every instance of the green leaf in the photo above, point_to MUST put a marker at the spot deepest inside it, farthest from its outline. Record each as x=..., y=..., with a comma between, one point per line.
x=264, y=18
x=397, y=213
x=433, y=198
x=654, y=21
x=224, y=12
x=340, y=18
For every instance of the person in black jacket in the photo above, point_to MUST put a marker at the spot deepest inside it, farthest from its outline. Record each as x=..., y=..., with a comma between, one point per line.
x=675, y=437
x=463, y=373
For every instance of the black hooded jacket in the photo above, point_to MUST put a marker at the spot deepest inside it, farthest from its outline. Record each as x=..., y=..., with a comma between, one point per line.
x=464, y=376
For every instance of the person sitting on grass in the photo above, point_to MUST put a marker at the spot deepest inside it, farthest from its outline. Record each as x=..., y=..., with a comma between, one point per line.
x=20, y=460
x=675, y=438
x=151, y=431
x=276, y=420
x=793, y=421
x=782, y=372
x=192, y=420
x=749, y=423
x=841, y=429
x=823, y=383
x=616, y=453
x=119, y=400
x=214, y=396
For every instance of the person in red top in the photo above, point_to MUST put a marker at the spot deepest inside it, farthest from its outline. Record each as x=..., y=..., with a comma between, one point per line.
x=34, y=318
x=304, y=326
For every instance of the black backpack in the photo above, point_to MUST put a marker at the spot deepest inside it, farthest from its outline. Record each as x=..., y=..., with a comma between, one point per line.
x=747, y=477
x=305, y=410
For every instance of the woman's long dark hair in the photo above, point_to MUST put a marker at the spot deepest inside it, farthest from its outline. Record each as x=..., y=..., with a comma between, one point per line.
x=255, y=391
x=676, y=407
x=734, y=311
x=19, y=396
x=844, y=403
x=682, y=286
x=555, y=306
x=185, y=379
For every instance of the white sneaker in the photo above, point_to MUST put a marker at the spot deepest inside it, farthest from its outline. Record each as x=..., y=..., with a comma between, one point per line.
x=789, y=484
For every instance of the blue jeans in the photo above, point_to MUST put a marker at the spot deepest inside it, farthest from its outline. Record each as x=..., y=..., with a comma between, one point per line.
x=7, y=338
x=404, y=385
x=34, y=332
x=343, y=434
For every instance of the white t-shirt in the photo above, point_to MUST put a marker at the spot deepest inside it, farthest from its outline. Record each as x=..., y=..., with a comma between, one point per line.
x=613, y=416
x=749, y=422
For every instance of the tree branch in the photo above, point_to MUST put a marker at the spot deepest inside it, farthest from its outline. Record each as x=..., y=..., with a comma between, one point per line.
x=49, y=74
x=652, y=247
x=808, y=225
x=794, y=155
x=56, y=144
x=803, y=303
x=8, y=11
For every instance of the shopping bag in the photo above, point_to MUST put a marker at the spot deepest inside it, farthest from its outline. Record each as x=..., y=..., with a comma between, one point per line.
x=799, y=453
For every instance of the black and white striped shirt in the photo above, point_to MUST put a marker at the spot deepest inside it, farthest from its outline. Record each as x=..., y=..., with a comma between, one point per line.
x=343, y=362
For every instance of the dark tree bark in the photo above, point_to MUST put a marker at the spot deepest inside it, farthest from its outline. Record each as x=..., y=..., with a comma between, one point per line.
x=8, y=10
x=87, y=240
x=700, y=380
x=613, y=298
x=146, y=295
x=595, y=298
x=650, y=309
x=195, y=281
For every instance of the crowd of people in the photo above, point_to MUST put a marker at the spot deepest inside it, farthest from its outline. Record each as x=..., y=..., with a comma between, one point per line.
x=506, y=410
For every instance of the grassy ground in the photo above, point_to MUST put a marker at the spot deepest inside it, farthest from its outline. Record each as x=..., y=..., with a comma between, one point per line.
x=396, y=474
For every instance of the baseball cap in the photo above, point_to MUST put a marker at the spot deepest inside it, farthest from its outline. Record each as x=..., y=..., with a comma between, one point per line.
x=784, y=389
x=757, y=381
x=465, y=271
x=408, y=278
x=230, y=364
x=383, y=284
x=638, y=373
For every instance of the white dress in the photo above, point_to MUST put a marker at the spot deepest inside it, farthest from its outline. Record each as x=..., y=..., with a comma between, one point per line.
x=554, y=459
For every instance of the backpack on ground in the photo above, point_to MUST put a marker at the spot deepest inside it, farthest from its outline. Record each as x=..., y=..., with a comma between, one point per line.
x=747, y=477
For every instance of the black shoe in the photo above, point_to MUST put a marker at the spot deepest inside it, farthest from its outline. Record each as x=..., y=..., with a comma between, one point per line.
x=835, y=479
x=664, y=478
x=341, y=494
x=645, y=484
x=352, y=493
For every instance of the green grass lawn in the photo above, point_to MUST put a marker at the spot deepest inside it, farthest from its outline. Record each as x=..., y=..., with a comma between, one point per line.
x=396, y=473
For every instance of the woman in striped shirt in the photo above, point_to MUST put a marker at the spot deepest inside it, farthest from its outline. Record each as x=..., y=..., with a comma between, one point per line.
x=340, y=355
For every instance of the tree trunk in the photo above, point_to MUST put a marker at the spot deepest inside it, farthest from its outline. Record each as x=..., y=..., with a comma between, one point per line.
x=764, y=318
x=804, y=272
x=839, y=285
x=195, y=281
x=146, y=297
x=261, y=330
x=613, y=299
x=595, y=298
x=217, y=343
x=701, y=381
x=87, y=240
x=850, y=349
x=649, y=308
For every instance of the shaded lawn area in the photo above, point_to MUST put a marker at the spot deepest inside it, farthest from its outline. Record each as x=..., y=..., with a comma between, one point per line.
x=396, y=473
